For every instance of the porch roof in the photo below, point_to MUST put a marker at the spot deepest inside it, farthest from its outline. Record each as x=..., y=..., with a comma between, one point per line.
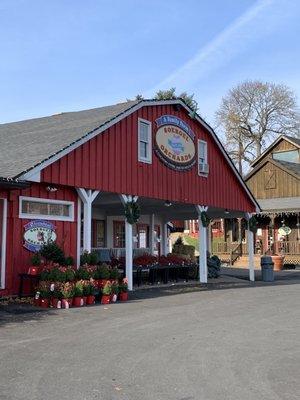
x=289, y=204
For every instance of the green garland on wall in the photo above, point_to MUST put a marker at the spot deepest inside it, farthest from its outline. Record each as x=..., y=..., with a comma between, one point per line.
x=132, y=212
x=205, y=219
x=253, y=223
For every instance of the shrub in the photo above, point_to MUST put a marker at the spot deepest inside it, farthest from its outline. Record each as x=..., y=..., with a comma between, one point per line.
x=123, y=286
x=114, y=274
x=78, y=289
x=83, y=273
x=106, y=290
x=103, y=271
x=89, y=258
x=114, y=288
x=36, y=260
x=44, y=290
x=67, y=290
x=69, y=261
x=52, y=252
x=213, y=267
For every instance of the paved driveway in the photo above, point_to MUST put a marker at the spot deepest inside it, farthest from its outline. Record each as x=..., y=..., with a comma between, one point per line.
x=237, y=343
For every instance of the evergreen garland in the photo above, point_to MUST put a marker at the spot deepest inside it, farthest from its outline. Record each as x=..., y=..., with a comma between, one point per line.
x=253, y=223
x=132, y=212
x=205, y=219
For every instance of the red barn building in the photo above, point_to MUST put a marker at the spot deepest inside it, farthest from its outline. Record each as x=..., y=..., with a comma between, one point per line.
x=67, y=178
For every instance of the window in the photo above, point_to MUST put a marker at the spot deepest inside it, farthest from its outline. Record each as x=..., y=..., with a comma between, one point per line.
x=145, y=141
x=36, y=208
x=119, y=234
x=203, y=167
x=290, y=156
x=98, y=233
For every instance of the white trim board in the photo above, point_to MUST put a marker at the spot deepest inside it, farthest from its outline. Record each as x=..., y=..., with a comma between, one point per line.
x=3, y=244
x=143, y=103
x=46, y=217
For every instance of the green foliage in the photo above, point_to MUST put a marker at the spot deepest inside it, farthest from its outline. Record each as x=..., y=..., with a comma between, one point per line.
x=52, y=252
x=69, y=261
x=213, y=267
x=179, y=241
x=36, y=260
x=67, y=290
x=78, y=289
x=89, y=258
x=132, y=212
x=253, y=224
x=114, y=273
x=103, y=271
x=205, y=219
x=183, y=249
x=70, y=274
x=114, y=288
x=170, y=94
x=83, y=273
x=106, y=290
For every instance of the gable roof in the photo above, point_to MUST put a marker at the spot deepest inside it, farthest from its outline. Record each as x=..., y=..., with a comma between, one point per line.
x=290, y=168
x=36, y=143
x=293, y=140
x=25, y=144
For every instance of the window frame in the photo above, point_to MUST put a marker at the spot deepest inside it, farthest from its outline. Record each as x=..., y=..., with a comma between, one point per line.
x=148, y=159
x=204, y=174
x=23, y=215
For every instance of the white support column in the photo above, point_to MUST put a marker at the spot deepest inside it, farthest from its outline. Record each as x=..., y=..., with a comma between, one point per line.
x=202, y=246
x=3, y=243
x=78, y=231
x=128, y=243
x=250, y=242
x=151, y=233
x=209, y=239
x=87, y=197
x=164, y=240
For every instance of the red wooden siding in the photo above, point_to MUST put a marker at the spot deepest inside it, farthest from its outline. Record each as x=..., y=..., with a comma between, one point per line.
x=109, y=162
x=17, y=257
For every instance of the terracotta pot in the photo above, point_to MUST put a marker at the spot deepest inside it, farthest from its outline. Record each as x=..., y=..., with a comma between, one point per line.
x=77, y=301
x=105, y=299
x=278, y=262
x=44, y=303
x=66, y=303
x=123, y=296
x=90, y=300
x=84, y=300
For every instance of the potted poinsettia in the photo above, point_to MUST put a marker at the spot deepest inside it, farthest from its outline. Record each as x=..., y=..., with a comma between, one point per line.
x=123, y=290
x=106, y=293
x=55, y=295
x=78, y=294
x=44, y=294
x=67, y=292
x=103, y=275
x=89, y=290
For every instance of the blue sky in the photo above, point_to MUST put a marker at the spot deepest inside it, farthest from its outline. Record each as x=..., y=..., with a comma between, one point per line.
x=65, y=55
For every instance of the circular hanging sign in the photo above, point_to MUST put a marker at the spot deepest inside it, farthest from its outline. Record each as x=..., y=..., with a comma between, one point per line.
x=284, y=230
x=37, y=233
x=174, y=143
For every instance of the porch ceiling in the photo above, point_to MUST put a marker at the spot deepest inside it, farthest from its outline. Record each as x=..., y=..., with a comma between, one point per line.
x=112, y=205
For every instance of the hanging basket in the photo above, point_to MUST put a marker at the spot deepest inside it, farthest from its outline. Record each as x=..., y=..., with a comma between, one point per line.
x=205, y=219
x=132, y=212
x=253, y=224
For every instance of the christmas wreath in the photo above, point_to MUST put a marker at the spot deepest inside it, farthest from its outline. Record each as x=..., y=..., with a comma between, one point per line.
x=205, y=219
x=132, y=212
x=253, y=224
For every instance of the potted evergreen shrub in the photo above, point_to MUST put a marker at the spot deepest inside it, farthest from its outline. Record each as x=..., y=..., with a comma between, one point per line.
x=89, y=290
x=123, y=290
x=114, y=274
x=67, y=293
x=106, y=293
x=78, y=294
x=114, y=291
x=103, y=274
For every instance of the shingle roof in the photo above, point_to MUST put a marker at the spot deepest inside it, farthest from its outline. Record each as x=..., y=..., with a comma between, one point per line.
x=293, y=167
x=294, y=139
x=25, y=144
x=279, y=204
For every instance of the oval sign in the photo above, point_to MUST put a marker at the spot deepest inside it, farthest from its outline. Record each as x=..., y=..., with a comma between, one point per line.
x=284, y=230
x=174, y=143
x=37, y=233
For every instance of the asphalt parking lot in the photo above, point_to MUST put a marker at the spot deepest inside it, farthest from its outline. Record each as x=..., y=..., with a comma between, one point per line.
x=239, y=342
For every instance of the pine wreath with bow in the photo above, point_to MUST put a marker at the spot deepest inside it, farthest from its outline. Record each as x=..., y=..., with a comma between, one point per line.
x=253, y=223
x=205, y=219
x=132, y=212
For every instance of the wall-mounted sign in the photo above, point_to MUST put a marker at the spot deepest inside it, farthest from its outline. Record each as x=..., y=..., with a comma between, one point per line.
x=174, y=143
x=37, y=233
x=284, y=230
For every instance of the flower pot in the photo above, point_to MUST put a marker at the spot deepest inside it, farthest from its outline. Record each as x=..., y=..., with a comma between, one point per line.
x=37, y=302
x=90, y=300
x=113, y=298
x=84, y=300
x=105, y=299
x=55, y=302
x=44, y=303
x=278, y=262
x=77, y=301
x=66, y=303
x=123, y=296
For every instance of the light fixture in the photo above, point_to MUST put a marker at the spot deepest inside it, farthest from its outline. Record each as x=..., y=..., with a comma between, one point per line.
x=51, y=188
x=226, y=211
x=168, y=203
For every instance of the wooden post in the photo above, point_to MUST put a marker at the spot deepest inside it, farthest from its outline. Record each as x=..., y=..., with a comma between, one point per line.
x=202, y=246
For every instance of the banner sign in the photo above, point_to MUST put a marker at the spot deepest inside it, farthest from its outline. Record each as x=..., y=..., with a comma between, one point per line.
x=174, y=143
x=37, y=233
x=284, y=230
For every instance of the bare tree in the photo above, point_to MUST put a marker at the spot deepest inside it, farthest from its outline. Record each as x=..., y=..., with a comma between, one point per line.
x=254, y=113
